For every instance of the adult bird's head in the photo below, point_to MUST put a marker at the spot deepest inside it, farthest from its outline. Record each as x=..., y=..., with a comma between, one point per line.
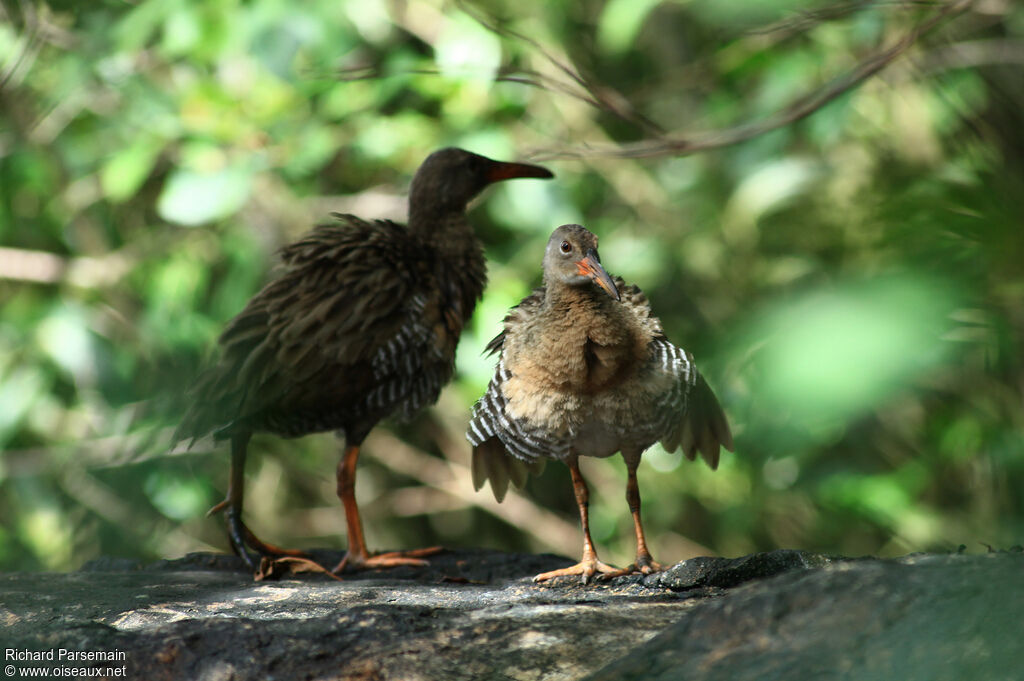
x=571, y=259
x=449, y=179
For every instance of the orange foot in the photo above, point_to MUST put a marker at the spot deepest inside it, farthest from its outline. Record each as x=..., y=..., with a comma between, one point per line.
x=242, y=539
x=365, y=561
x=585, y=568
x=644, y=565
x=273, y=568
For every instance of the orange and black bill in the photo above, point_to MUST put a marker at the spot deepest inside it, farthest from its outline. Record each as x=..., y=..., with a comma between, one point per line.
x=590, y=266
x=508, y=171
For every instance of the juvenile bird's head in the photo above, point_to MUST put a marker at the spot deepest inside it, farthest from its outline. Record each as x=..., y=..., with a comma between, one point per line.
x=571, y=259
x=449, y=179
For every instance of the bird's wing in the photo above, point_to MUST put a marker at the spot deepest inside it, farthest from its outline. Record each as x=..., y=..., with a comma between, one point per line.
x=492, y=432
x=515, y=317
x=347, y=297
x=690, y=415
x=635, y=300
x=505, y=449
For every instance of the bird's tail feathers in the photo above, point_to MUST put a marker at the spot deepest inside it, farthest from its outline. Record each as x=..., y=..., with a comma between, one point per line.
x=205, y=413
x=704, y=428
x=491, y=463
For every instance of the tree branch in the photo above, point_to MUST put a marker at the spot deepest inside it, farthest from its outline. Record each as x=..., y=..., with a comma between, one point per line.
x=601, y=97
x=674, y=145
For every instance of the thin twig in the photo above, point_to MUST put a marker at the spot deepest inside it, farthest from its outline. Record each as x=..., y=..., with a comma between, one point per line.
x=505, y=74
x=808, y=19
x=604, y=97
x=30, y=42
x=973, y=54
x=452, y=478
x=798, y=110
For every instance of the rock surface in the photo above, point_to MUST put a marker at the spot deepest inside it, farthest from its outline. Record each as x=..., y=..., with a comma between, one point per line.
x=476, y=615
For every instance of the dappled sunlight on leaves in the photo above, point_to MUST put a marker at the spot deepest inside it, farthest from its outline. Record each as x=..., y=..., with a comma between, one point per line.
x=849, y=283
x=830, y=355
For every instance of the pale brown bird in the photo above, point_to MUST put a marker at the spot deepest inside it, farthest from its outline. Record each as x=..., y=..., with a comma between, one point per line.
x=585, y=369
x=361, y=323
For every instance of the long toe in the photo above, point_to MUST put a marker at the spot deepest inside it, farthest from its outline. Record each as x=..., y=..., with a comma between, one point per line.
x=585, y=569
x=412, y=557
x=266, y=549
x=642, y=566
x=242, y=540
x=274, y=568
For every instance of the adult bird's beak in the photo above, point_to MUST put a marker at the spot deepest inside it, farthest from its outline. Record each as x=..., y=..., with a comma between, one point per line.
x=590, y=266
x=507, y=171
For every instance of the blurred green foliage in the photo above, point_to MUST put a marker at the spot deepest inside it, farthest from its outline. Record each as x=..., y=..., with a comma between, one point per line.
x=851, y=284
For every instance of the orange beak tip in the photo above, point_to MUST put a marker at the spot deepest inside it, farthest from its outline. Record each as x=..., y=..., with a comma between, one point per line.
x=589, y=267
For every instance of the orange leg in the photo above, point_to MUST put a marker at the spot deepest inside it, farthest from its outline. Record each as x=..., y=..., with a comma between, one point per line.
x=240, y=535
x=589, y=564
x=644, y=563
x=358, y=557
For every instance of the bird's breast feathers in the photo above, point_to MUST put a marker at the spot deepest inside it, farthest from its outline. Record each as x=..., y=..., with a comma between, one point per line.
x=585, y=381
x=577, y=351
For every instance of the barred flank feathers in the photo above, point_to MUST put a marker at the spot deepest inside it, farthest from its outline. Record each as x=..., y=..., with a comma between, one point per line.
x=671, y=360
x=704, y=428
x=689, y=414
x=503, y=451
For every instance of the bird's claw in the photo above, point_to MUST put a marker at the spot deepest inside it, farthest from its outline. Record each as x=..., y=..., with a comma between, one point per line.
x=242, y=539
x=586, y=569
x=366, y=561
x=644, y=565
x=236, y=534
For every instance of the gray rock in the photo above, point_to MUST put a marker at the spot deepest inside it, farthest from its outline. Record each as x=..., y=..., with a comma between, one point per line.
x=475, y=614
x=730, y=572
x=920, y=618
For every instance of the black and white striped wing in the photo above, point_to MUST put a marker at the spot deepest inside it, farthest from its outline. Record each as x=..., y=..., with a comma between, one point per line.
x=492, y=420
x=505, y=449
x=689, y=415
x=408, y=369
x=671, y=405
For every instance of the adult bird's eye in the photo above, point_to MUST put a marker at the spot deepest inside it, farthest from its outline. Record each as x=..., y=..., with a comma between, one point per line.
x=566, y=247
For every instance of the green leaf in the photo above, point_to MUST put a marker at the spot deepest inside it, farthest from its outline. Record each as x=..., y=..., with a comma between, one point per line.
x=191, y=198
x=64, y=336
x=465, y=48
x=176, y=496
x=182, y=32
x=620, y=23
x=828, y=356
x=124, y=173
x=19, y=391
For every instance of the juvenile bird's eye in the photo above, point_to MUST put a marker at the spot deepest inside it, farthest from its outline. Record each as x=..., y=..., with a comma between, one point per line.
x=566, y=247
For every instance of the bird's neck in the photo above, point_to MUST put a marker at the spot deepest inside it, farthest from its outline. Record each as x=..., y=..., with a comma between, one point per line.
x=584, y=341
x=582, y=301
x=427, y=206
x=432, y=222
x=579, y=314
x=458, y=255
x=448, y=233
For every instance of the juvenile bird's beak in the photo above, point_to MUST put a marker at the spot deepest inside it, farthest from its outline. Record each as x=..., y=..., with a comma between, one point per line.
x=507, y=171
x=590, y=266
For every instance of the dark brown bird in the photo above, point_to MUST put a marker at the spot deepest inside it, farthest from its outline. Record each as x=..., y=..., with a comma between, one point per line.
x=361, y=323
x=586, y=370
